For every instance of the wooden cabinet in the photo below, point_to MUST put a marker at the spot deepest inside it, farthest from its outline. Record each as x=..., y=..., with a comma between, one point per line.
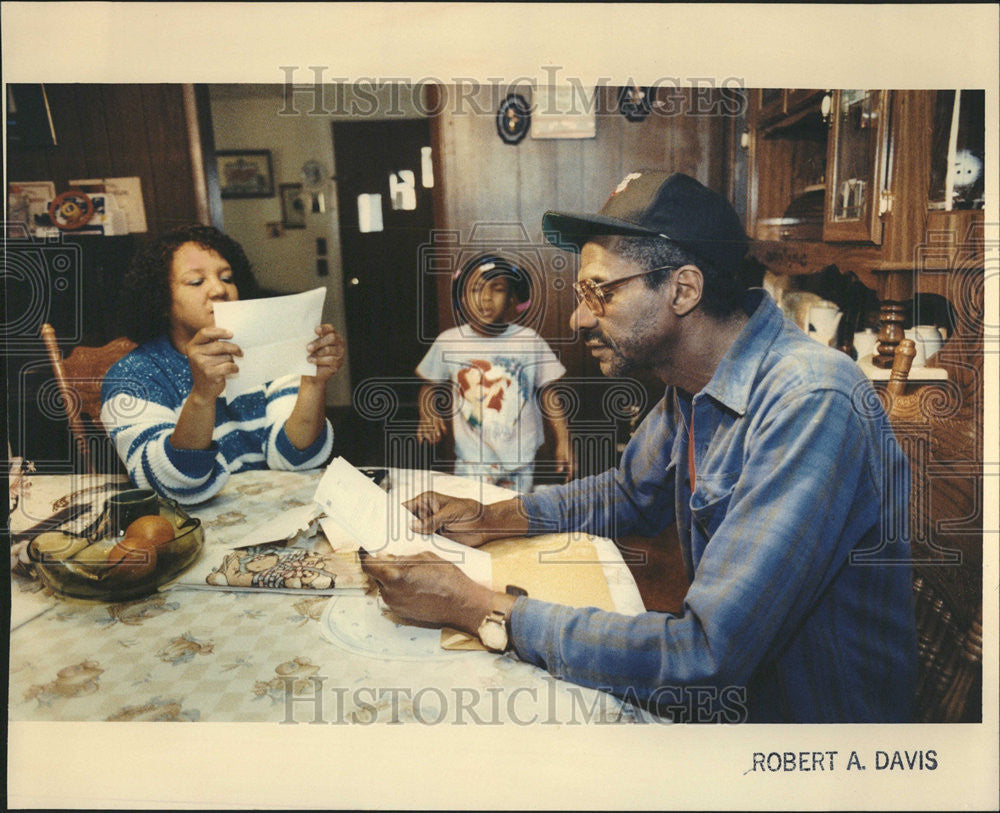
x=857, y=158
x=895, y=169
x=796, y=99
x=821, y=161
x=875, y=182
x=786, y=200
x=911, y=230
x=770, y=104
x=774, y=103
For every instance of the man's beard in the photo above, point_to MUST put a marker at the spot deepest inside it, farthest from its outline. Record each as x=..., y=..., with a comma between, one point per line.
x=619, y=360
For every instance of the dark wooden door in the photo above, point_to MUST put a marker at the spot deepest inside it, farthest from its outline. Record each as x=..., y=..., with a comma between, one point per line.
x=390, y=302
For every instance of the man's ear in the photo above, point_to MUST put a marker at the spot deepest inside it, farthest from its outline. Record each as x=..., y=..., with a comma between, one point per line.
x=688, y=285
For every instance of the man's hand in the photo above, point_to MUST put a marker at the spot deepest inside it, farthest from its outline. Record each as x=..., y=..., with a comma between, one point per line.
x=211, y=359
x=327, y=353
x=467, y=521
x=426, y=588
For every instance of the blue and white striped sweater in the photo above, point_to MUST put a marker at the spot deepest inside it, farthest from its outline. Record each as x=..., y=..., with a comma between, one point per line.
x=141, y=399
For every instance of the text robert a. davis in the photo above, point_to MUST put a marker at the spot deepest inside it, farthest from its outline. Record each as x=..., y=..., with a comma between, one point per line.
x=809, y=761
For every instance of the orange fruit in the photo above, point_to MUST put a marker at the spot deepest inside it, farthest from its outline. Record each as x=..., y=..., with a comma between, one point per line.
x=154, y=529
x=131, y=559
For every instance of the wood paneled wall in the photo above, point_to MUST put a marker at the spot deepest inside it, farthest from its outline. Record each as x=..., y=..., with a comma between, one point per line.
x=102, y=130
x=118, y=131
x=483, y=181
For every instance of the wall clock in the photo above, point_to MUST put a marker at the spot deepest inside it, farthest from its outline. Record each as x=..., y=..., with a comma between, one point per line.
x=635, y=102
x=513, y=119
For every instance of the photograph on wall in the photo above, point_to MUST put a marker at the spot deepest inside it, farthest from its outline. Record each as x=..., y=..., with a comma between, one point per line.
x=293, y=206
x=245, y=173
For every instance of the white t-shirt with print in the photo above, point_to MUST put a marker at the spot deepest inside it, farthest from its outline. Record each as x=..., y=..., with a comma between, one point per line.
x=497, y=418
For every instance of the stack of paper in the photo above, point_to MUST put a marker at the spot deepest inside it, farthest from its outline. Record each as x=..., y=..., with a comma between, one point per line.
x=285, y=554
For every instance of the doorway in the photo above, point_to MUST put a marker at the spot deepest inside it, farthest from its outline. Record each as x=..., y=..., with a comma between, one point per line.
x=384, y=196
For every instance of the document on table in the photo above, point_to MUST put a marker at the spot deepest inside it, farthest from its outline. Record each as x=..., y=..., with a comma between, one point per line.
x=284, y=527
x=378, y=522
x=273, y=334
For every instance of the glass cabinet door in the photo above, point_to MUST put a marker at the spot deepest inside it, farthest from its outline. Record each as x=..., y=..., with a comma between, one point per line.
x=770, y=104
x=958, y=151
x=857, y=161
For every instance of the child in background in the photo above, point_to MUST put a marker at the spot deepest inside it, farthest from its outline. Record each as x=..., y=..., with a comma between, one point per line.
x=499, y=372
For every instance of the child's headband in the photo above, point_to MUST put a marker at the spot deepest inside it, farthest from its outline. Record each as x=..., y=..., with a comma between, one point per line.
x=494, y=266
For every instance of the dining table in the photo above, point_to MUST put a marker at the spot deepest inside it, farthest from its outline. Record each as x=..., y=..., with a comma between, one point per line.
x=211, y=654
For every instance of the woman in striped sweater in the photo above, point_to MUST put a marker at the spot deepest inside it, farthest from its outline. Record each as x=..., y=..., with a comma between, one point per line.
x=161, y=403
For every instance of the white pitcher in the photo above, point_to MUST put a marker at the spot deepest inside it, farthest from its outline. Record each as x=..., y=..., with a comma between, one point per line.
x=823, y=321
x=865, y=342
x=927, y=340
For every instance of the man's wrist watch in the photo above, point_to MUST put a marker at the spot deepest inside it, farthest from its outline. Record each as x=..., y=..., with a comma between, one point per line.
x=494, y=631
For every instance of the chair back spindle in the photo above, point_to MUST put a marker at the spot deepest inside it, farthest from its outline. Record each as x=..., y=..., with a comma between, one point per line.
x=79, y=377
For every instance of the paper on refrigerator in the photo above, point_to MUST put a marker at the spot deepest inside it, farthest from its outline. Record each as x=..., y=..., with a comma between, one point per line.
x=377, y=521
x=273, y=334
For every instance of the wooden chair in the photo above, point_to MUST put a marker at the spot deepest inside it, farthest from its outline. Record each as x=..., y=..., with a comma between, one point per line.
x=79, y=377
x=947, y=594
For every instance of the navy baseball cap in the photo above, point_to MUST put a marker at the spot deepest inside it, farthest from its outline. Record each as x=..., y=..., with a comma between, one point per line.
x=673, y=206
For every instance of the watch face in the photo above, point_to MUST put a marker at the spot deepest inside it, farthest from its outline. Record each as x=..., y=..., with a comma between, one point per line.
x=493, y=634
x=513, y=119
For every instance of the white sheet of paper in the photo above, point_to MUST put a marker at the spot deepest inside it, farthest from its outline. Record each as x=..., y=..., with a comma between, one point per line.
x=273, y=334
x=284, y=526
x=340, y=540
x=380, y=524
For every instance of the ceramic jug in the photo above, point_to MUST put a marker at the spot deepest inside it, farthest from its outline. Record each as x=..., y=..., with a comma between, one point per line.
x=865, y=342
x=927, y=340
x=823, y=321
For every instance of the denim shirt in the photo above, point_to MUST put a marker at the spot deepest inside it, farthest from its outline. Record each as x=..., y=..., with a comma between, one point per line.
x=795, y=541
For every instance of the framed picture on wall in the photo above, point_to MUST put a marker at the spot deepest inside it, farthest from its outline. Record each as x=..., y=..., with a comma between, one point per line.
x=559, y=112
x=293, y=206
x=245, y=173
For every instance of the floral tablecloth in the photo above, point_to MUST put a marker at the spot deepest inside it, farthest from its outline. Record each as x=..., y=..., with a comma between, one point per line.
x=218, y=655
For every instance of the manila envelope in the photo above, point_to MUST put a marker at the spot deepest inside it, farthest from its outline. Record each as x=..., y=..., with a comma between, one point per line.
x=560, y=568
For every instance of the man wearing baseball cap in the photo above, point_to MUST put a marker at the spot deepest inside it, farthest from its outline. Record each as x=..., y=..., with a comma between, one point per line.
x=769, y=452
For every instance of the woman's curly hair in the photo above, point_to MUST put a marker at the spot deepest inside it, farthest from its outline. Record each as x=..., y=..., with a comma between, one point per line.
x=145, y=295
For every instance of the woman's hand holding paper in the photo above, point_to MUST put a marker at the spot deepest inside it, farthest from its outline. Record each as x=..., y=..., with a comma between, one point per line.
x=327, y=353
x=211, y=358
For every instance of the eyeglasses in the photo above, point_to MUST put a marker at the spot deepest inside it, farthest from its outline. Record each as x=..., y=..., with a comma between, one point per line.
x=593, y=294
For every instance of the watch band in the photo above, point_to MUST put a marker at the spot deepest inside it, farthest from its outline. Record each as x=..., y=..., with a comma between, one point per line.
x=512, y=590
x=494, y=629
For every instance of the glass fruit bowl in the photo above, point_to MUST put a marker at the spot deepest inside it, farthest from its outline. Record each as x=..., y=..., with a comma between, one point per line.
x=95, y=569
